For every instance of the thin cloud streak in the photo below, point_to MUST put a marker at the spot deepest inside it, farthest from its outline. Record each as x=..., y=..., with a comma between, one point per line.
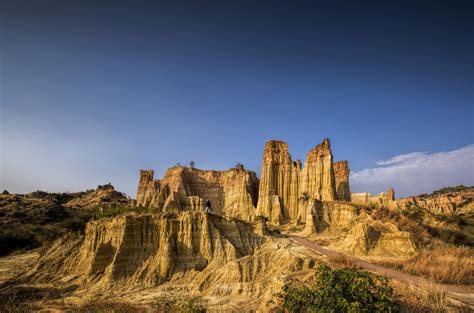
x=417, y=172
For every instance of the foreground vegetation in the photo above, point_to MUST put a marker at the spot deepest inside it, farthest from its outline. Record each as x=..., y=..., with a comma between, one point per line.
x=340, y=290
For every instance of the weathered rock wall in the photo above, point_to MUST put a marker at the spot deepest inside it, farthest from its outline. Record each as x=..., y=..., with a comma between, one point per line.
x=194, y=253
x=341, y=175
x=383, y=198
x=278, y=191
x=232, y=193
x=142, y=251
x=317, y=177
x=282, y=187
x=362, y=234
x=148, y=189
x=285, y=187
x=448, y=203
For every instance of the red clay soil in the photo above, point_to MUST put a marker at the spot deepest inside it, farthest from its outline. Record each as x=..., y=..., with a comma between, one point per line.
x=455, y=292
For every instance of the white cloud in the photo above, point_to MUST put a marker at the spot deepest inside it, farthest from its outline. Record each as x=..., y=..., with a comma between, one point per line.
x=417, y=172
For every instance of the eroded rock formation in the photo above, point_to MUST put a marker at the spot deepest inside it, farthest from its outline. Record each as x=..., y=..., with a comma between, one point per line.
x=285, y=186
x=103, y=197
x=232, y=192
x=445, y=203
x=362, y=235
x=376, y=238
x=279, y=182
x=383, y=198
x=146, y=250
x=341, y=175
x=207, y=254
x=317, y=177
x=148, y=189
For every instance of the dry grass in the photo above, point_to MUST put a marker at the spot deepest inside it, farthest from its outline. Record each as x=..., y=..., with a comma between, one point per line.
x=441, y=263
x=425, y=298
x=342, y=260
x=108, y=306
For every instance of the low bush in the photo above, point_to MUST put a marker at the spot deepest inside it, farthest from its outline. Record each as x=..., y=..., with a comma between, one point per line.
x=340, y=290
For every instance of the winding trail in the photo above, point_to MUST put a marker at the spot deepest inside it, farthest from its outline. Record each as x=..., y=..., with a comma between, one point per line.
x=455, y=292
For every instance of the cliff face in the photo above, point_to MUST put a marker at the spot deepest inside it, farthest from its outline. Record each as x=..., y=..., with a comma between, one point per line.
x=447, y=203
x=362, y=235
x=200, y=253
x=148, y=189
x=284, y=186
x=278, y=191
x=232, y=192
x=341, y=175
x=317, y=177
x=384, y=198
x=147, y=250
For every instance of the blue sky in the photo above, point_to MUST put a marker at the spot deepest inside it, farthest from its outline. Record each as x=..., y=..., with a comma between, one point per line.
x=91, y=93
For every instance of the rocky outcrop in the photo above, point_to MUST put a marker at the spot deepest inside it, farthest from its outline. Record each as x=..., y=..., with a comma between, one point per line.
x=147, y=250
x=341, y=175
x=362, y=235
x=279, y=182
x=148, y=189
x=376, y=238
x=206, y=254
x=232, y=192
x=103, y=197
x=317, y=177
x=282, y=187
x=285, y=187
x=382, y=199
x=445, y=203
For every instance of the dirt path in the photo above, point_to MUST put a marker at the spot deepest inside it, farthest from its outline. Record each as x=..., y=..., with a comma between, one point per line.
x=454, y=292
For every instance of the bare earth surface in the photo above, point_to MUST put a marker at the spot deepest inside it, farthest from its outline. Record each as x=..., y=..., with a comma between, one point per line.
x=14, y=265
x=457, y=293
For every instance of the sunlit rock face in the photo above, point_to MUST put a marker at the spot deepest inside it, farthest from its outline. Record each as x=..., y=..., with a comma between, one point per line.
x=278, y=191
x=142, y=251
x=317, y=177
x=280, y=195
x=148, y=189
x=285, y=186
x=232, y=192
x=341, y=175
x=445, y=203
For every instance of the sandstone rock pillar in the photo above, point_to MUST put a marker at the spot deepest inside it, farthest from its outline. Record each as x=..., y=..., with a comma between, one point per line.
x=341, y=175
x=317, y=178
x=278, y=191
x=148, y=189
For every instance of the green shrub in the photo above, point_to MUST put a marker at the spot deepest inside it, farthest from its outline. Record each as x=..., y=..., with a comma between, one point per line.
x=451, y=189
x=340, y=290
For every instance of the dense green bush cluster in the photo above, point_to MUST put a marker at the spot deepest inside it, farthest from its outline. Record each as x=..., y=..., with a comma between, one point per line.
x=340, y=290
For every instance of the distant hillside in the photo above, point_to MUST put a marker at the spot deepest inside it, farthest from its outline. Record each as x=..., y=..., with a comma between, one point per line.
x=31, y=220
x=447, y=190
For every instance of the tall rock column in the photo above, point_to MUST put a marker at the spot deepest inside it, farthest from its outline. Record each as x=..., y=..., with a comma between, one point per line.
x=148, y=189
x=278, y=191
x=341, y=175
x=317, y=178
